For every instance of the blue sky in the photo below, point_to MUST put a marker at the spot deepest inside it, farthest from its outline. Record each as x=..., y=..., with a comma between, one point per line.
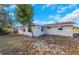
x=51, y=13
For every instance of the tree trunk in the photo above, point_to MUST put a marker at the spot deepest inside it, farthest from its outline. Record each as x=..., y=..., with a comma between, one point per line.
x=30, y=27
x=31, y=31
x=23, y=29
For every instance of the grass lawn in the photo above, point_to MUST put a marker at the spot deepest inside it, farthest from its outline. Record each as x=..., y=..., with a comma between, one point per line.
x=14, y=44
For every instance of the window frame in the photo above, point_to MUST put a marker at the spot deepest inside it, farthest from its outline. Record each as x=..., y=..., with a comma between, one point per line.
x=42, y=28
x=60, y=28
x=24, y=30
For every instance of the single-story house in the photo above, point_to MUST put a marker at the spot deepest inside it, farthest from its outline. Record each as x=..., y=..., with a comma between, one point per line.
x=62, y=29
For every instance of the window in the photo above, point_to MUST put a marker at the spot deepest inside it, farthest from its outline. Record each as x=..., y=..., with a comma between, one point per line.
x=38, y=27
x=29, y=30
x=49, y=27
x=42, y=29
x=60, y=28
x=24, y=30
x=20, y=28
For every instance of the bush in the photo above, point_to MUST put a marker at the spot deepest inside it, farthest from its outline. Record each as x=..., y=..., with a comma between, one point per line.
x=5, y=31
x=2, y=32
x=8, y=30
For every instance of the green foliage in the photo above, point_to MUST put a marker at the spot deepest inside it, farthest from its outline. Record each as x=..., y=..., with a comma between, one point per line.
x=5, y=19
x=24, y=14
x=49, y=27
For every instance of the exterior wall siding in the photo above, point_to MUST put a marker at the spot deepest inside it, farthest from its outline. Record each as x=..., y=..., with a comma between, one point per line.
x=67, y=31
x=20, y=31
x=36, y=31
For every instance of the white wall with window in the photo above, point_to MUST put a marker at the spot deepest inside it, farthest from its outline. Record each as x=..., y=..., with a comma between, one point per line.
x=24, y=31
x=52, y=30
x=37, y=31
x=62, y=31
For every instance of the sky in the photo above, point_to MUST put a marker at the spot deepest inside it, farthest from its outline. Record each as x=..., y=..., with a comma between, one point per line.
x=51, y=13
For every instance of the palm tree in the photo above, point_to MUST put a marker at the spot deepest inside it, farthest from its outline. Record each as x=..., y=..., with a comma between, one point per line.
x=24, y=14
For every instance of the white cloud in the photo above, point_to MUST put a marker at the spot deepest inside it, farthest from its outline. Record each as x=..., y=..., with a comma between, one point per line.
x=71, y=17
x=48, y=22
x=51, y=16
x=63, y=9
x=36, y=21
x=56, y=17
x=76, y=11
x=39, y=22
x=11, y=14
x=46, y=6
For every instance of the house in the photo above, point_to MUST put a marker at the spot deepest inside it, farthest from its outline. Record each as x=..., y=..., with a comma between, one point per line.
x=36, y=29
x=62, y=29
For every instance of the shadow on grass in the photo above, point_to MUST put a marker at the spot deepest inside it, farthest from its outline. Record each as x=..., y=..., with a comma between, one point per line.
x=3, y=32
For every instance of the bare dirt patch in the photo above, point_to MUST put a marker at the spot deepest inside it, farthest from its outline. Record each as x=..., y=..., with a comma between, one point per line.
x=14, y=44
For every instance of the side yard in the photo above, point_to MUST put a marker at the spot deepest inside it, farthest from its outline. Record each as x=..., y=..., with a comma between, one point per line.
x=13, y=44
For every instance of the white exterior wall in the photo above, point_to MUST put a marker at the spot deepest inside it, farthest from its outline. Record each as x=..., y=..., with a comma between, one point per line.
x=36, y=31
x=24, y=33
x=67, y=31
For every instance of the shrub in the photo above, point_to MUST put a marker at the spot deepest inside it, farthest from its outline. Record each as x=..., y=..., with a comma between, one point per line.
x=8, y=30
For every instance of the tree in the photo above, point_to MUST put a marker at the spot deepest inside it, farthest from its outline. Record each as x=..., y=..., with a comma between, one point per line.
x=5, y=19
x=1, y=16
x=24, y=14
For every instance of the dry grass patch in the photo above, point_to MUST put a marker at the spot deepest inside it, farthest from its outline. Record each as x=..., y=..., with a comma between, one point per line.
x=14, y=44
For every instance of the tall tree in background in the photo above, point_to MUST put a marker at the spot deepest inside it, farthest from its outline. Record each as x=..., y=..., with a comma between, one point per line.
x=5, y=19
x=24, y=14
x=1, y=16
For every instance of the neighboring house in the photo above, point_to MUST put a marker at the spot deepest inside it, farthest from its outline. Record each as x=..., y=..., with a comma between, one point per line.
x=62, y=29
